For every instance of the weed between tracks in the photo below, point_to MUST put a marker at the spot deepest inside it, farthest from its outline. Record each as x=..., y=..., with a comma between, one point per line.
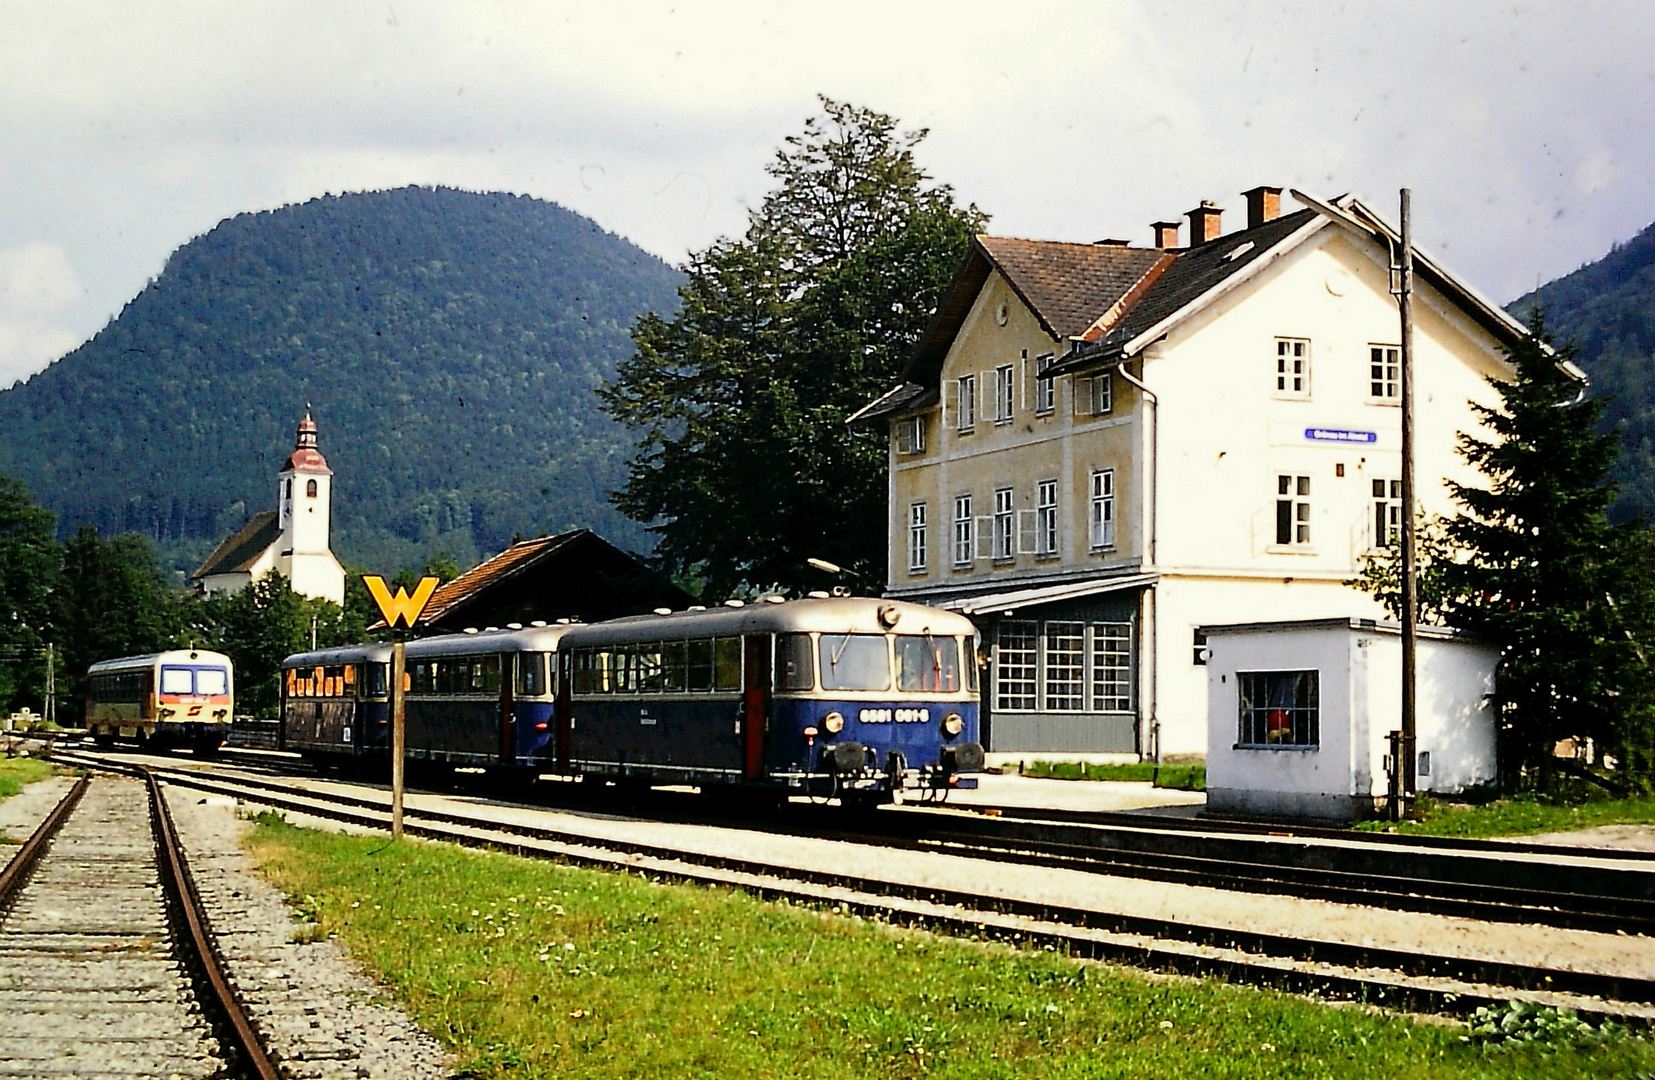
x=534, y=969
x=1181, y=777
x=1523, y=815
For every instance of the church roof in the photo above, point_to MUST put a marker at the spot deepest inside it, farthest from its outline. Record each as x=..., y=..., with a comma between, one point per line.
x=305, y=456
x=237, y=553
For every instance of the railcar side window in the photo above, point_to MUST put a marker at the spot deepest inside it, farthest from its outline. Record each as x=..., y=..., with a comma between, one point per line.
x=378, y=681
x=675, y=668
x=793, y=666
x=701, y=664
x=727, y=663
x=176, y=680
x=927, y=664
x=485, y=674
x=855, y=662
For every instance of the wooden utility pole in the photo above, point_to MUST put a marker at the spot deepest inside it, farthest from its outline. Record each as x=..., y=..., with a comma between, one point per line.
x=399, y=702
x=1410, y=596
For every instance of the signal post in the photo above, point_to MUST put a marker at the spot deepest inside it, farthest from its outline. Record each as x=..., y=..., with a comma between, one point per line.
x=405, y=609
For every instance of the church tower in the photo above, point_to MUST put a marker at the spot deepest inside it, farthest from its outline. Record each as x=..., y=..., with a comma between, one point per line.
x=304, y=496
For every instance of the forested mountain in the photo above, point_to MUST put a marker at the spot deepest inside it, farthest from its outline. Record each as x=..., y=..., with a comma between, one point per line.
x=1607, y=308
x=447, y=342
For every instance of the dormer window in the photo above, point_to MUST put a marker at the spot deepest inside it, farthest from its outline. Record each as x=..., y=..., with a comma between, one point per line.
x=310, y=489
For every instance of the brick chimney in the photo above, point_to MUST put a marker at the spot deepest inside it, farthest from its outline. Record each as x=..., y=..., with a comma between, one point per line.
x=1166, y=233
x=1263, y=204
x=1204, y=226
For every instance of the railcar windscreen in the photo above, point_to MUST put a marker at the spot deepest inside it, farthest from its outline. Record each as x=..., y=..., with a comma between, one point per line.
x=177, y=680
x=793, y=662
x=855, y=662
x=212, y=680
x=531, y=674
x=926, y=664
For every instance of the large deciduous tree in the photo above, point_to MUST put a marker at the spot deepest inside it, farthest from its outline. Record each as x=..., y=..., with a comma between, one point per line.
x=112, y=599
x=745, y=467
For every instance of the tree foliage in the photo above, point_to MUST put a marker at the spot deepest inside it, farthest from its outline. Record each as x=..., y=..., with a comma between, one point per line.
x=28, y=570
x=745, y=467
x=112, y=599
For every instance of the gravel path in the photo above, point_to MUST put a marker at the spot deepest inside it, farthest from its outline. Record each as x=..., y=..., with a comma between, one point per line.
x=22, y=814
x=325, y=1019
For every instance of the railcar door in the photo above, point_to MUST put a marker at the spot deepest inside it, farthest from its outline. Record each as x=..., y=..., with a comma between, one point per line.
x=562, y=667
x=755, y=702
x=508, y=676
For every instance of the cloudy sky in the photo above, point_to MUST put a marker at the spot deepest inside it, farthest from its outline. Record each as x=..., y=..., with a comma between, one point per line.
x=126, y=129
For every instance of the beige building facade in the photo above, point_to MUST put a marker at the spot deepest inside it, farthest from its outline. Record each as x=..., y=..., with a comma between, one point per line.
x=1099, y=448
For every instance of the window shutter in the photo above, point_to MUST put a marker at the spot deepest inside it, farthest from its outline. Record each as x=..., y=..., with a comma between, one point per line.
x=1025, y=532
x=984, y=532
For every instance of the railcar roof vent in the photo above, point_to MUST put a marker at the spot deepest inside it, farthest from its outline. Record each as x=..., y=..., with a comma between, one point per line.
x=514, y=626
x=538, y=622
x=562, y=622
x=663, y=611
x=734, y=603
x=696, y=607
x=774, y=598
x=817, y=594
x=491, y=629
x=470, y=630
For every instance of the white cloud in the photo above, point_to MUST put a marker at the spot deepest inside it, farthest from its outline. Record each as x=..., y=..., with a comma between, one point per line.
x=37, y=282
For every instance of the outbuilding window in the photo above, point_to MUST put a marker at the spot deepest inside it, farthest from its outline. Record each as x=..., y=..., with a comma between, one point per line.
x=1279, y=708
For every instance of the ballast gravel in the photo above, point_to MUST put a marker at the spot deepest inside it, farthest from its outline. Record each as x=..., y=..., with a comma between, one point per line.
x=323, y=1018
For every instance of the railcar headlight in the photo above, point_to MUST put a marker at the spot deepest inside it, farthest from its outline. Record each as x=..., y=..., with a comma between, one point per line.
x=953, y=724
x=834, y=723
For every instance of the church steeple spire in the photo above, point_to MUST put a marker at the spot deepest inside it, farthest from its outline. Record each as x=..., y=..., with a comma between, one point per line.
x=306, y=457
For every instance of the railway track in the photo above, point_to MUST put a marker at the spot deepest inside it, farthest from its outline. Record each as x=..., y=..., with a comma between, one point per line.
x=107, y=966
x=1453, y=984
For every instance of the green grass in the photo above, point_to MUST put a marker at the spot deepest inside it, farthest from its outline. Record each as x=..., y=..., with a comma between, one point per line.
x=17, y=773
x=1182, y=777
x=1520, y=816
x=533, y=969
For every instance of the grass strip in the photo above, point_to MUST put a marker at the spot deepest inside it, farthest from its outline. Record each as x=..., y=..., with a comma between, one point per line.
x=1180, y=777
x=1519, y=816
x=19, y=772
x=528, y=968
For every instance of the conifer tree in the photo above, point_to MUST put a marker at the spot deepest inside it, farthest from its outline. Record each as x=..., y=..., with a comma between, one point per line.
x=744, y=464
x=1541, y=566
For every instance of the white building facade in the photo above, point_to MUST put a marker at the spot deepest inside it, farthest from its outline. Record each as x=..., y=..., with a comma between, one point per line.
x=292, y=540
x=1098, y=449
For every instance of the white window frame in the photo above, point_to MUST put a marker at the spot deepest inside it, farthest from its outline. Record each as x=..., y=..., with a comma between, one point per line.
x=967, y=408
x=1109, y=668
x=1045, y=526
x=910, y=436
x=917, y=539
x=1102, y=519
x=1005, y=524
x=965, y=541
x=1063, y=666
x=1385, y=496
x=1005, y=389
x=1017, y=666
x=1293, y=499
x=1385, y=374
x=1045, y=393
x=1094, y=395
x=1291, y=375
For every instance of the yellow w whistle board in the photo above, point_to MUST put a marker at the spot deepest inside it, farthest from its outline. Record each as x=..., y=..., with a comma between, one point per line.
x=400, y=607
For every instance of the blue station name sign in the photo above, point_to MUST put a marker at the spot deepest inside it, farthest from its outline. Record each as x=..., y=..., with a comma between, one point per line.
x=1340, y=435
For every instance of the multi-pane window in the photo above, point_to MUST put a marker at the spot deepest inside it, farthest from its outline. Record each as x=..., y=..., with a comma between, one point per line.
x=916, y=538
x=1094, y=395
x=1112, y=667
x=968, y=402
x=964, y=540
x=1387, y=512
x=910, y=435
x=1005, y=524
x=1292, y=367
x=1384, y=372
x=1102, y=533
x=1004, y=387
x=1045, y=518
x=1278, y=708
x=1292, y=509
x=1045, y=395
x=1065, y=666
x=1016, y=665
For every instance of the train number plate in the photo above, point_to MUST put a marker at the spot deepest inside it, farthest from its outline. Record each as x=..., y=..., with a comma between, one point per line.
x=900, y=716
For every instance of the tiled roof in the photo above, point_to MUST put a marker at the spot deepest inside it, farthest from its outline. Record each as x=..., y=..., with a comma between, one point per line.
x=239, y=552
x=1068, y=286
x=515, y=558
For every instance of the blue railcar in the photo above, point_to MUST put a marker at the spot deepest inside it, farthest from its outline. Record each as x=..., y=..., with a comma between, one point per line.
x=848, y=696
x=336, y=702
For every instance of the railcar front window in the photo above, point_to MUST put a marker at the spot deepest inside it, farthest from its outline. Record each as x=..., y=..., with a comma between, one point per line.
x=927, y=664
x=854, y=662
x=793, y=662
x=176, y=680
x=212, y=681
x=531, y=674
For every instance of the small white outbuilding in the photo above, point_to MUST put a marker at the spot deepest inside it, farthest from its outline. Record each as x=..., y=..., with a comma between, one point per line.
x=1298, y=715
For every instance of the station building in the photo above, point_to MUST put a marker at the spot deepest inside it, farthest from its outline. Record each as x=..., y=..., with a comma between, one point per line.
x=1097, y=449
